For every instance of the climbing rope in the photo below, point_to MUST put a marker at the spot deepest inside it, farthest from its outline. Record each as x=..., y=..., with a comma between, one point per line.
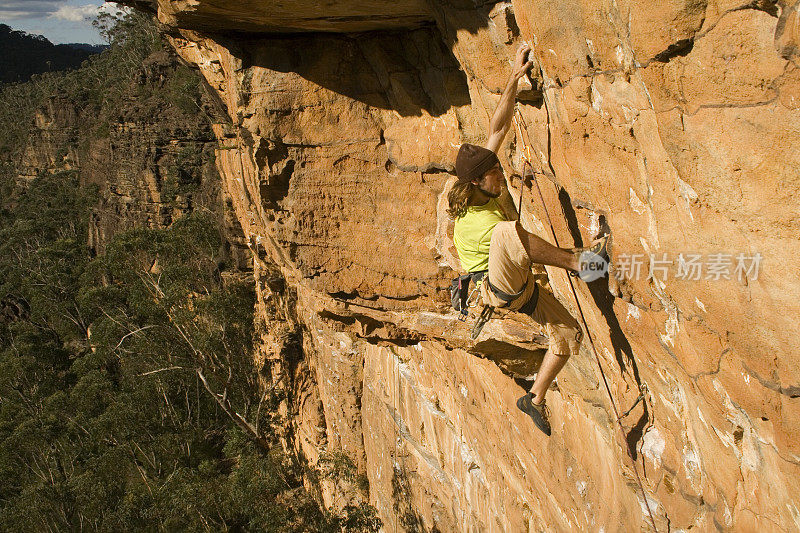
x=522, y=133
x=521, y=130
x=398, y=421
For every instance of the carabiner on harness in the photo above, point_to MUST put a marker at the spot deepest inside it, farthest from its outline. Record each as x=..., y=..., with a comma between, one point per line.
x=474, y=296
x=472, y=301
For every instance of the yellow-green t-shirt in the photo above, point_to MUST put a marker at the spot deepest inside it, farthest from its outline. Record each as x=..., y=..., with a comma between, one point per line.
x=473, y=232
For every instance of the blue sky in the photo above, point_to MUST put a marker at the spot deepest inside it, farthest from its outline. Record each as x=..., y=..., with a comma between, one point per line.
x=61, y=21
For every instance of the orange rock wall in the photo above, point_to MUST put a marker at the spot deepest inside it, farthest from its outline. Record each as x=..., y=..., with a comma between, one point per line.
x=675, y=124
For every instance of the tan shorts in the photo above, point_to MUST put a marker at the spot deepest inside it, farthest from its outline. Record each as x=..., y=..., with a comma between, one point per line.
x=509, y=269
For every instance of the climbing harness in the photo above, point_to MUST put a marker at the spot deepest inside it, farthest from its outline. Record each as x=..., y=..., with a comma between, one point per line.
x=460, y=297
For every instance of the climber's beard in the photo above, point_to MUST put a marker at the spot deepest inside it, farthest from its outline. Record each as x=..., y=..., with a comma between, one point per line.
x=490, y=194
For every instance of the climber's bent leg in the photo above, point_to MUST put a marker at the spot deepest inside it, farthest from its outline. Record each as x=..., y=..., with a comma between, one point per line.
x=565, y=339
x=542, y=252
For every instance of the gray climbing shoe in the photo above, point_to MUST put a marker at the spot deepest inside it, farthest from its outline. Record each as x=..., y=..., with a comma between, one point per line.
x=538, y=412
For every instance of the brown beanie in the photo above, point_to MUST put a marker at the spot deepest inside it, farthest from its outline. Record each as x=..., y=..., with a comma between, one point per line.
x=473, y=161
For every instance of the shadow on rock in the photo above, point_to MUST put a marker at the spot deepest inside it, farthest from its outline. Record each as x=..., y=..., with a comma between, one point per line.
x=410, y=72
x=511, y=359
x=604, y=301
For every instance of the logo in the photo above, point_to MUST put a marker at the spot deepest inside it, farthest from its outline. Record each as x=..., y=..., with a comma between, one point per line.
x=592, y=266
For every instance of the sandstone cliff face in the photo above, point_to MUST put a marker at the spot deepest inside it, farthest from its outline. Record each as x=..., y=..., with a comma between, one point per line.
x=676, y=126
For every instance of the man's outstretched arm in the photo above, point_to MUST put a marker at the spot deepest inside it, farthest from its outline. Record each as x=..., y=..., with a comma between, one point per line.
x=501, y=120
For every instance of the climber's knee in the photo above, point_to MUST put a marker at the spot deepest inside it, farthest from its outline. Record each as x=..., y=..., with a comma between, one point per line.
x=565, y=340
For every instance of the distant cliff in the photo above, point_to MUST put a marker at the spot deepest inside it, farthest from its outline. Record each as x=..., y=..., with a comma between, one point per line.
x=24, y=55
x=675, y=126
x=140, y=131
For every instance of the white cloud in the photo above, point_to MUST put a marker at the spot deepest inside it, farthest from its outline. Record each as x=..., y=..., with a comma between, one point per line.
x=76, y=13
x=86, y=12
x=61, y=21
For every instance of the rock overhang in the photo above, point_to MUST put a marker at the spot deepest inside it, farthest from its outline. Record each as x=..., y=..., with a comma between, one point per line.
x=275, y=16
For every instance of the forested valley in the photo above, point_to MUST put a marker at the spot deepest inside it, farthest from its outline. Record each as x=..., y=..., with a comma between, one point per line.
x=128, y=395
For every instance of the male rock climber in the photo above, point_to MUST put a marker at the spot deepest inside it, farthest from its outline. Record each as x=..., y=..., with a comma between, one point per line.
x=487, y=236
